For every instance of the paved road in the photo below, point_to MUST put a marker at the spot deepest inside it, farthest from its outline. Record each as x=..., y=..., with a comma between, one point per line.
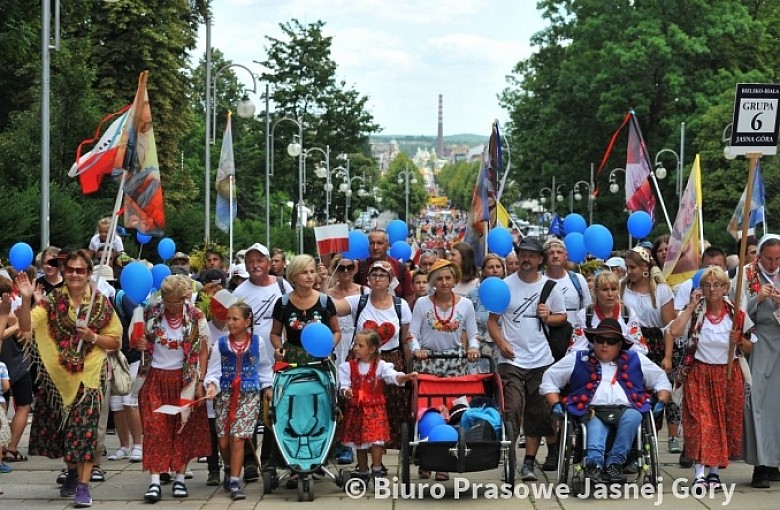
x=32, y=486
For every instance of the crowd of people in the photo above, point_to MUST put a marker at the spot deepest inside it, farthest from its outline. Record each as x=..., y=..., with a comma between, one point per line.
x=211, y=340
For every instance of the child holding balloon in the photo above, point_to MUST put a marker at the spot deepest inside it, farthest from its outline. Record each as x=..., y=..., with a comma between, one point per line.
x=362, y=379
x=245, y=378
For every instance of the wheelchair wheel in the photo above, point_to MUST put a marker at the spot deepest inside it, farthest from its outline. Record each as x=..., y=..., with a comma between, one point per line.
x=565, y=453
x=406, y=457
x=651, y=467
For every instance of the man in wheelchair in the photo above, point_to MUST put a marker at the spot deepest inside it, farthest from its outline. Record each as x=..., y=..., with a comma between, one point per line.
x=608, y=391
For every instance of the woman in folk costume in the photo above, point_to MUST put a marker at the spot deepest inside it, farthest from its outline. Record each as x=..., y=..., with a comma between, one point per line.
x=713, y=411
x=70, y=350
x=175, y=359
x=245, y=378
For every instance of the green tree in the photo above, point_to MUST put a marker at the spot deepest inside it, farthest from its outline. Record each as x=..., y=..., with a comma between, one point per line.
x=393, y=187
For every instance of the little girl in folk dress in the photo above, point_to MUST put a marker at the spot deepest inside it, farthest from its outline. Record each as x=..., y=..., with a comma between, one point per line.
x=362, y=380
x=246, y=376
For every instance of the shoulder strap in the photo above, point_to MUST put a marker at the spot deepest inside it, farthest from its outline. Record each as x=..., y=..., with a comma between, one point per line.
x=118, y=303
x=397, y=305
x=589, y=317
x=625, y=312
x=361, y=305
x=285, y=300
x=280, y=282
x=323, y=301
x=546, y=290
x=575, y=280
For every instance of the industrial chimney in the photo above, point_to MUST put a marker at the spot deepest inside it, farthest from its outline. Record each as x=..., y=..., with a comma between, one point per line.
x=440, y=134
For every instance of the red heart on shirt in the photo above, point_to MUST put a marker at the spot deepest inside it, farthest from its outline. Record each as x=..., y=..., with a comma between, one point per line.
x=386, y=330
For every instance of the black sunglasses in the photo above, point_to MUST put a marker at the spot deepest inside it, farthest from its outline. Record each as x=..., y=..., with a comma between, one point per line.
x=609, y=340
x=53, y=262
x=345, y=269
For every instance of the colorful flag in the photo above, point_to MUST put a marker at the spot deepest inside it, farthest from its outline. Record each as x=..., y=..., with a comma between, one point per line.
x=226, y=181
x=92, y=166
x=683, y=256
x=332, y=238
x=416, y=252
x=484, y=199
x=502, y=216
x=137, y=154
x=757, y=208
x=639, y=191
x=556, y=227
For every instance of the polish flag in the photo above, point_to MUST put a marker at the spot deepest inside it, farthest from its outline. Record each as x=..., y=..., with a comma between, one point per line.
x=137, y=325
x=332, y=238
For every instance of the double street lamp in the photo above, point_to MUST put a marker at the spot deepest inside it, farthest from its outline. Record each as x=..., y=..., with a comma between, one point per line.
x=294, y=149
x=323, y=173
x=405, y=178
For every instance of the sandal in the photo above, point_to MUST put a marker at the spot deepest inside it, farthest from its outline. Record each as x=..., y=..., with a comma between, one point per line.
x=442, y=476
x=13, y=456
x=153, y=493
x=179, y=490
x=97, y=475
x=423, y=474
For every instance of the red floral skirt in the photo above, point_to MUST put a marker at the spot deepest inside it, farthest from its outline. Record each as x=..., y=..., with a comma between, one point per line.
x=365, y=425
x=712, y=414
x=164, y=448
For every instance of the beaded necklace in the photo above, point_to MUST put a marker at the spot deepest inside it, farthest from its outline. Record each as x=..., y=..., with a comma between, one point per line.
x=447, y=324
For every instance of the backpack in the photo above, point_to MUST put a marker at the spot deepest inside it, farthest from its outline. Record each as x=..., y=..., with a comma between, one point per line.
x=558, y=337
x=576, y=282
x=323, y=299
x=362, y=304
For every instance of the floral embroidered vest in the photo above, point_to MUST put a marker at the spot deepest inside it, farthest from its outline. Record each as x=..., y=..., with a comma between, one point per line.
x=250, y=379
x=367, y=390
x=586, y=377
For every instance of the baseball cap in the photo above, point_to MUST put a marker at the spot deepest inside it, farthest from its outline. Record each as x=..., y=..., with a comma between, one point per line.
x=180, y=256
x=104, y=272
x=384, y=266
x=213, y=276
x=258, y=247
x=239, y=270
x=616, y=262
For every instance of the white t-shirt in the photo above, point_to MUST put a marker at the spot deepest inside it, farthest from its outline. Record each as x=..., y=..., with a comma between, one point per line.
x=463, y=288
x=682, y=296
x=520, y=322
x=371, y=313
x=262, y=300
x=571, y=296
x=165, y=358
x=642, y=305
x=95, y=243
x=427, y=332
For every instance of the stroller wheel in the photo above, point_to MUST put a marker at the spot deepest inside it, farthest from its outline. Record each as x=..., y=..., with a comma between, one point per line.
x=268, y=481
x=309, y=486
x=301, y=489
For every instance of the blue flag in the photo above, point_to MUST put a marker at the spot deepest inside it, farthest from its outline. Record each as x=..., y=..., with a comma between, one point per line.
x=757, y=205
x=556, y=227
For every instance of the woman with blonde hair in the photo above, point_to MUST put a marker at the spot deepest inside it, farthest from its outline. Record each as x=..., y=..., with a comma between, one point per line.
x=713, y=411
x=304, y=305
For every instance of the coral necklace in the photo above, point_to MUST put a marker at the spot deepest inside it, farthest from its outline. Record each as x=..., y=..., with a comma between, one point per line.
x=446, y=321
x=716, y=319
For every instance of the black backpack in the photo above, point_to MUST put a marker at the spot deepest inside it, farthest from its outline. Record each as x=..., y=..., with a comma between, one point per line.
x=558, y=337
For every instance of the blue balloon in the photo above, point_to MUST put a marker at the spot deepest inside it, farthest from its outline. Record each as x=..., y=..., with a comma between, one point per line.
x=575, y=247
x=136, y=280
x=166, y=248
x=142, y=238
x=397, y=231
x=317, y=339
x=159, y=273
x=574, y=223
x=401, y=250
x=697, y=278
x=500, y=241
x=429, y=421
x=443, y=433
x=358, y=246
x=21, y=256
x=598, y=241
x=494, y=294
x=639, y=224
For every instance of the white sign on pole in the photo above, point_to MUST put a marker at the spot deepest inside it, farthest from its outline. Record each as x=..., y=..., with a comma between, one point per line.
x=755, y=127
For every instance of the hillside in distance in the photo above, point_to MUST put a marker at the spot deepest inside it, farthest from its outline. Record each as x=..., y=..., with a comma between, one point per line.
x=415, y=141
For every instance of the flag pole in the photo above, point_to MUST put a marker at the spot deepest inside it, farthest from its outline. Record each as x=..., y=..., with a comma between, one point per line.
x=661, y=200
x=230, y=249
x=104, y=257
x=753, y=158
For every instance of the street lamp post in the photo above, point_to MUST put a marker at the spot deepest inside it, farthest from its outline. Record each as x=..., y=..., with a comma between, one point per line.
x=577, y=195
x=346, y=188
x=294, y=149
x=614, y=187
x=403, y=178
x=323, y=173
x=679, y=160
x=245, y=109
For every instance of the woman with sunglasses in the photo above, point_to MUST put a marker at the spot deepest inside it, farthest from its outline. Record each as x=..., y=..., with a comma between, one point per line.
x=713, y=410
x=175, y=352
x=51, y=278
x=389, y=315
x=607, y=306
x=69, y=348
x=344, y=272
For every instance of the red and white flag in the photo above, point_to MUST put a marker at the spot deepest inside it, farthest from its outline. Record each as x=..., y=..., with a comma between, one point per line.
x=639, y=191
x=332, y=238
x=92, y=166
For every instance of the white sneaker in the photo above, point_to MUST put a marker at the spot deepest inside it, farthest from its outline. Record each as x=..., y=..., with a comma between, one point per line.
x=137, y=454
x=120, y=454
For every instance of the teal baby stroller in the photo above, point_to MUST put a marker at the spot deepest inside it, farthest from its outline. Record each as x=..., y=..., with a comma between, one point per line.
x=303, y=416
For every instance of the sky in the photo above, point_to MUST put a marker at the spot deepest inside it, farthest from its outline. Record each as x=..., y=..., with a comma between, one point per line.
x=401, y=54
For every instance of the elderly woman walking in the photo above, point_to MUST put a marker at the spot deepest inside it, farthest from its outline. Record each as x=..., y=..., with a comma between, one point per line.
x=69, y=347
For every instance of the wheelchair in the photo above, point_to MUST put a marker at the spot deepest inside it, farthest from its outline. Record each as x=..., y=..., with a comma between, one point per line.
x=573, y=436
